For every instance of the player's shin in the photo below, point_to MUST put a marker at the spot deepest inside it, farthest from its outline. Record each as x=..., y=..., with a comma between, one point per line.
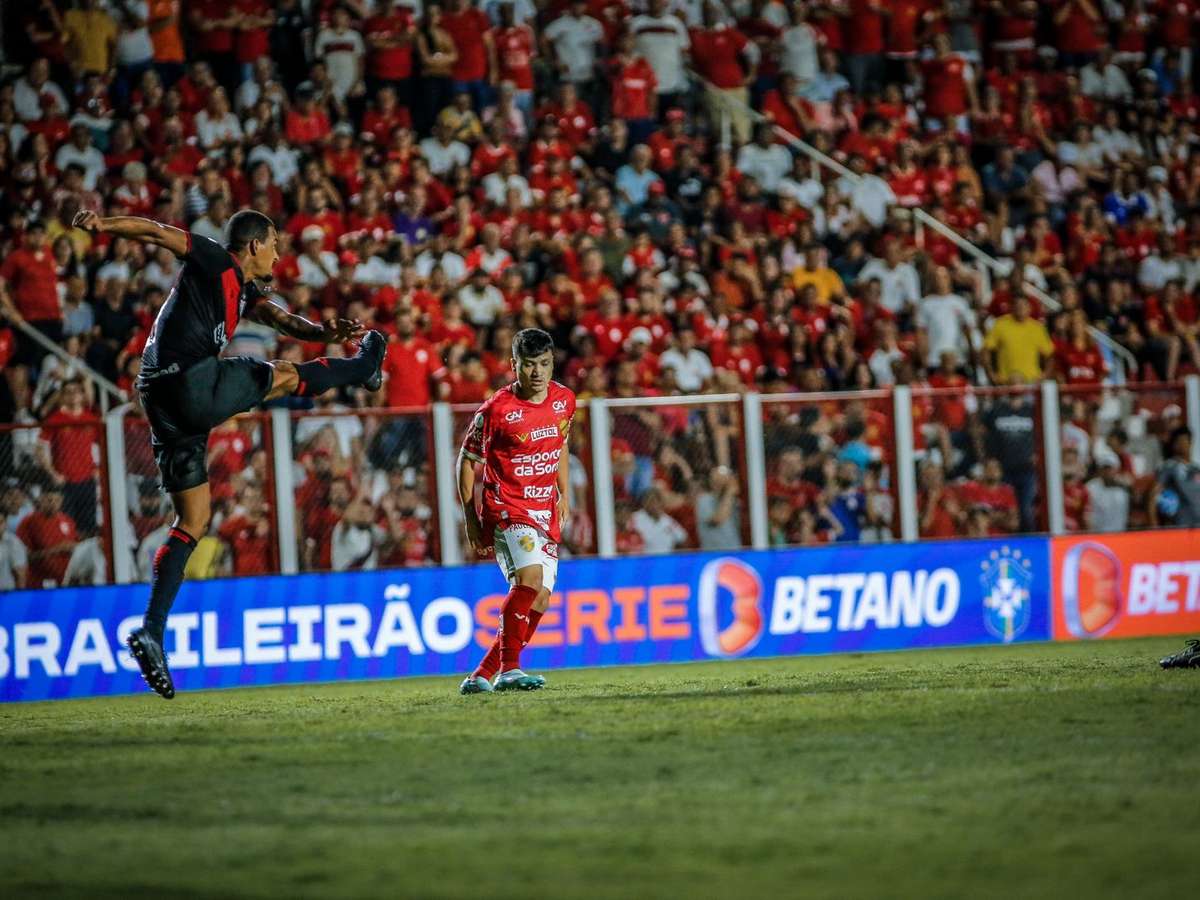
x=535, y=616
x=490, y=664
x=166, y=577
x=514, y=620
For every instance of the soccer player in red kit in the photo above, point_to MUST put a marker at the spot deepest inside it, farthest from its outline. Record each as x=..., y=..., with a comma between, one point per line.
x=520, y=437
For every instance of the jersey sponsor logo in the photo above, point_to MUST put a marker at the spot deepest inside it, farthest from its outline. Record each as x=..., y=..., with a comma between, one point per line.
x=539, y=434
x=550, y=549
x=514, y=416
x=538, y=492
x=541, y=516
x=559, y=406
x=530, y=464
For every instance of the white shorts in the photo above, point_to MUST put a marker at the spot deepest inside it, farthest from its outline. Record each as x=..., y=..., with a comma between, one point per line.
x=519, y=546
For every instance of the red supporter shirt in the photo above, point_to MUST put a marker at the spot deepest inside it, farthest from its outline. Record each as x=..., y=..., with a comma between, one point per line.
x=1077, y=366
x=251, y=43
x=521, y=445
x=1078, y=32
x=219, y=40
x=945, y=87
x=301, y=129
x=467, y=29
x=251, y=544
x=864, y=28
x=390, y=63
x=72, y=439
x=1178, y=17
x=515, y=49
x=1076, y=502
x=633, y=88
x=38, y=532
x=716, y=54
x=32, y=280
x=409, y=366
x=903, y=26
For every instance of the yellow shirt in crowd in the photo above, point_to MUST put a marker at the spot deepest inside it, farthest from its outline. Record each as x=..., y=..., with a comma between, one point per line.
x=1019, y=347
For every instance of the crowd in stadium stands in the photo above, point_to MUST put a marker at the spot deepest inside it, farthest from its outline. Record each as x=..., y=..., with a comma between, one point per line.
x=450, y=172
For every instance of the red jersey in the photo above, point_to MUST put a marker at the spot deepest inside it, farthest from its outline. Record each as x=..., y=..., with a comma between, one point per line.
x=72, y=438
x=903, y=26
x=865, y=28
x=520, y=445
x=409, y=366
x=945, y=87
x=515, y=49
x=39, y=533
x=466, y=29
x=251, y=43
x=1084, y=366
x=391, y=63
x=32, y=277
x=717, y=55
x=633, y=86
x=250, y=544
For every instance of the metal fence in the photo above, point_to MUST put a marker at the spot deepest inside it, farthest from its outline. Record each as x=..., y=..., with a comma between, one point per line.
x=377, y=488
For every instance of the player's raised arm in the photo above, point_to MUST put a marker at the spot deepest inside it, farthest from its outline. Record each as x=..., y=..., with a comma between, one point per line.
x=267, y=312
x=135, y=228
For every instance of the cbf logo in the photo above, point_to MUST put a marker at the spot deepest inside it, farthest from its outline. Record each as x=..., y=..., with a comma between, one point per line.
x=731, y=581
x=1006, y=603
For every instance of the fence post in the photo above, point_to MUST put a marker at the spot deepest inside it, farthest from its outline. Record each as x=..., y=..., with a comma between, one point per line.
x=445, y=483
x=118, y=501
x=602, y=479
x=1191, y=386
x=285, y=490
x=756, y=470
x=906, y=466
x=1052, y=450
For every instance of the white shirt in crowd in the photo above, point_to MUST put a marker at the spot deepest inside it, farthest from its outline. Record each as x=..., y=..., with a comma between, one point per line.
x=871, y=197
x=945, y=318
x=692, y=369
x=1109, y=83
x=354, y=547
x=496, y=188
x=444, y=157
x=28, y=101
x=575, y=43
x=134, y=45
x=208, y=228
x=215, y=132
x=314, y=273
x=880, y=364
x=798, y=52
x=661, y=535
x=898, y=286
x=769, y=166
x=89, y=158
x=1154, y=271
x=13, y=559
x=342, y=54
x=483, y=306
x=452, y=264
x=345, y=428
x=662, y=41
x=1110, y=506
x=283, y=160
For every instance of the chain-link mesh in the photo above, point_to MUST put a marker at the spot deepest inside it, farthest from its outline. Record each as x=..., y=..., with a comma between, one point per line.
x=980, y=465
x=829, y=468
x=365, y=494
x=679, y=477
x=54, y=528
x=1116, y=445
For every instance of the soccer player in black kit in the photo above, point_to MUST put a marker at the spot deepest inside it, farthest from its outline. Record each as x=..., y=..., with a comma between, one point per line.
x=187, y=388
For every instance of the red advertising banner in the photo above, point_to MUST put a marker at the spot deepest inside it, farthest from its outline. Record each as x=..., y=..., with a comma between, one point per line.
x=1126, y=585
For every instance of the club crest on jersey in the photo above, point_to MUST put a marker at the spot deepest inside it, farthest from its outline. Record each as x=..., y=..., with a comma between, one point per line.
x=514, y=416
x=527, y=542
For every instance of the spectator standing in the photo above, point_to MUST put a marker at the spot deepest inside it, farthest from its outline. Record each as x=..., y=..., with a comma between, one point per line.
x=1018, y=349
x=728, y=62
x=945, y=321
x=343, y=52
x=1177, y=495
x=91, y=38
x=662, y=40
x=1108, y=494
x=471, y=32
x=14, y=559
x=572, y=42
x=29, y=293
x=1011, y=430
x=659, y=532
x=764, y=160
x=390, y=36
x=49, y=536
x=718, y=512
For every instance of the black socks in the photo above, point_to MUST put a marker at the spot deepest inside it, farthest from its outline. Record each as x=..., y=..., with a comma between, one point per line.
x=321, y=374
x=165, y=579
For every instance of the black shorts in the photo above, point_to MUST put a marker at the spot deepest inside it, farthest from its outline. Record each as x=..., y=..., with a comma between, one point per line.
x=183, y=407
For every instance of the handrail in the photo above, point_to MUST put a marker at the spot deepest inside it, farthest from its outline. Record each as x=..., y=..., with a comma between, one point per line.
x=925, y=218
x=51, y=347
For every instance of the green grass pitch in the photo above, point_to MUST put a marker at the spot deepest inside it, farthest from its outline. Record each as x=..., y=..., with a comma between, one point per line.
x=1043, y=770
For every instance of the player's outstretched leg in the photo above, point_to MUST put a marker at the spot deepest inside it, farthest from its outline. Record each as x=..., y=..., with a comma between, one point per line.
x=146, y=643
x=364, y=368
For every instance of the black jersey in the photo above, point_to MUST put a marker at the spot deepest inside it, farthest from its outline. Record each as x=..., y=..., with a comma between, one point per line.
x=204, y=307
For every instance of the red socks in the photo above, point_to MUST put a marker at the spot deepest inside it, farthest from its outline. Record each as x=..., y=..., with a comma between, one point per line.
x=517, y=616
x=514, y=618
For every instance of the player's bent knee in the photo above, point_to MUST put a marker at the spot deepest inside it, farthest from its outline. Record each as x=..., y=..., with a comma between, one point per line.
x=286, y=379
x=542, y=603
x=530, y=576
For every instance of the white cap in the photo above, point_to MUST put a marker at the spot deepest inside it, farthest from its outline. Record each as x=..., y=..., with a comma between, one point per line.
x=312, y=233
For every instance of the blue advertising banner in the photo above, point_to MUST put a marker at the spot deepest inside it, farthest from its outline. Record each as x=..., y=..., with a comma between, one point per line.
x=329, y=627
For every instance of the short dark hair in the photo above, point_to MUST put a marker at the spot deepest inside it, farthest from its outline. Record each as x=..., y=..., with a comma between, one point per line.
x=246, y=226
x=531, y=342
